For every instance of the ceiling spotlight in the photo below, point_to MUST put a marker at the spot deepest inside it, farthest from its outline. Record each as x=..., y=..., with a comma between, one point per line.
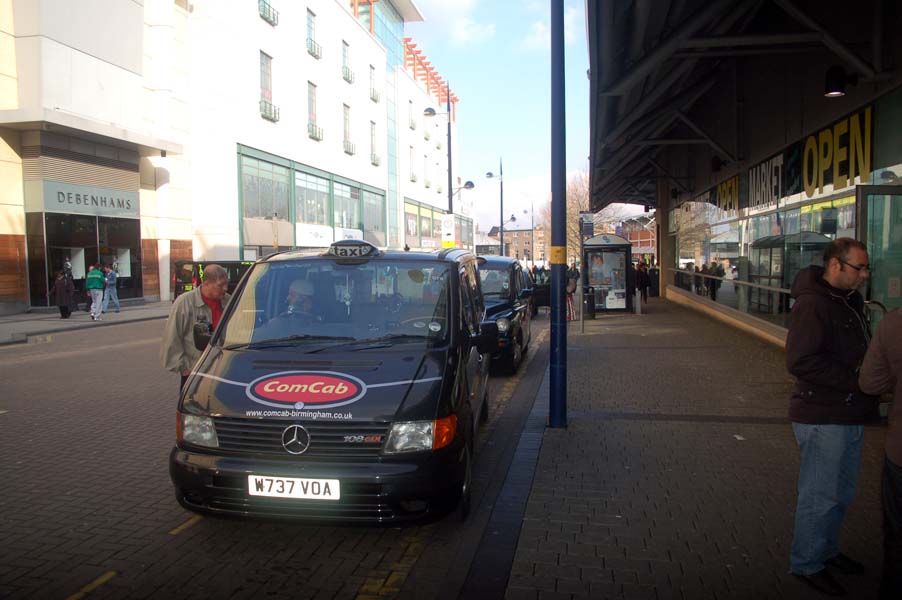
x=836, y=80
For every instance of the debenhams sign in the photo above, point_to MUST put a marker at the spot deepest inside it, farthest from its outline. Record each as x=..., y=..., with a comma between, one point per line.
x=88, y=200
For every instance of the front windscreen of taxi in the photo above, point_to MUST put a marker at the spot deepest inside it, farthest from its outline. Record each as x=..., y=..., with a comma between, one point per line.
x=322, y=304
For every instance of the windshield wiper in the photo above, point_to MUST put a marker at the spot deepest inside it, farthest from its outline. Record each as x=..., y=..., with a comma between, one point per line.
x=385, y=341
x=288, y=340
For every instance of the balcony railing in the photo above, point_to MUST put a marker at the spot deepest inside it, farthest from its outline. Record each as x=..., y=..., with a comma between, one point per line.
x=314, y=49
x=413, y=177
x=427, y=183
x=269, y=111
x=347, y=74
x=438, y=189
x=438, y=145
x=349, y=148
x=268, y=13
x=426, y=135
x=374, y=94
x=315, y=133
x=375, y=160
x=412, y=123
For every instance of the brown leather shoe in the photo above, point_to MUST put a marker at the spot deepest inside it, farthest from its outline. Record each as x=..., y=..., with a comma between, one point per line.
x=823, y=582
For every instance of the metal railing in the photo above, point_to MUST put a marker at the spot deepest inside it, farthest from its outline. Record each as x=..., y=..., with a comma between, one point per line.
x=413, y=177
x=315, y=133
x=426, y=135
x=268, y=13
x=347, y=74
x=759, y=300
x=412, y=123
x=427, y=183
x=374, y=95
x=350, y=148
x=269, y=111
x=314, y=49
x=375, y=160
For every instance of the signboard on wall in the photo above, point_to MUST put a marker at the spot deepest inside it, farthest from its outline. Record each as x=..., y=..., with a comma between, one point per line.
x=314, y=236
x=448, y=240
x=70, y=198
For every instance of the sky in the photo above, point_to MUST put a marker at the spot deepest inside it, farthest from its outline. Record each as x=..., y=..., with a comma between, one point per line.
x=496, y=54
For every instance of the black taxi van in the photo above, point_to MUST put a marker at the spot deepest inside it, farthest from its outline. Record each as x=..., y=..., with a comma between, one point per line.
x=507, y=289
x=345, y=384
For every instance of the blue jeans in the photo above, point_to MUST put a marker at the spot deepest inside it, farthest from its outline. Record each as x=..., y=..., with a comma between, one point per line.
x=828, y=476
x=111, y=293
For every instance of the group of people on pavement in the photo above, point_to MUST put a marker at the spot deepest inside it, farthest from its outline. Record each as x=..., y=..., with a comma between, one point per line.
x=840, y=373
x=100, y=283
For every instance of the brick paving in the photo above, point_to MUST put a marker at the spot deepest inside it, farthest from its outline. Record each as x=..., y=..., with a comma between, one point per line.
x=676, y=475
x=674, y=479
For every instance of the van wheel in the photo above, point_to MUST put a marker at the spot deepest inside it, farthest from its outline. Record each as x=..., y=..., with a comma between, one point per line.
x=462, y=510
x=517, y=356
x=484, y=413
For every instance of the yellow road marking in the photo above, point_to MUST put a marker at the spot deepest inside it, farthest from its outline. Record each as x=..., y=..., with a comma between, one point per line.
x=92, y=586
x=192, y=521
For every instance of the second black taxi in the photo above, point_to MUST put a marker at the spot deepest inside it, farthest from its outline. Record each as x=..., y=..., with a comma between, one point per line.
x=507, y=289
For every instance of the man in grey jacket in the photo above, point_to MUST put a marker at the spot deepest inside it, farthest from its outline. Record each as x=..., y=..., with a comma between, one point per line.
x=880, y=374
x=204, y=304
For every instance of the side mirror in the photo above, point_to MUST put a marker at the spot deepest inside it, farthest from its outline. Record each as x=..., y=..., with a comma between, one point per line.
x=202, y=335
x=487, y=339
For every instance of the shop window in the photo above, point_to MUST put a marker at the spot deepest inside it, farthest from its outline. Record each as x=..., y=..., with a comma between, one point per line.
x=265, y=191
x=311, y=199
x=347, y=207
x=374, y=218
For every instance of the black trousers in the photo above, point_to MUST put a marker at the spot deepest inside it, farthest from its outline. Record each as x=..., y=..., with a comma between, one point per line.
x=891, y=583
x=64, y=312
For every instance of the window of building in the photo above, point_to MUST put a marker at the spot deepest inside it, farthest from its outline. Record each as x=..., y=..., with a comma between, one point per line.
x=373, y=138
x=346, y=111
x=347, y=207
x=345, y=53
x=311, y=199
x=374, y=218
x=311, y=102
x=372, y=77
x=265, y=76
x=311, y=25
x=265, y=192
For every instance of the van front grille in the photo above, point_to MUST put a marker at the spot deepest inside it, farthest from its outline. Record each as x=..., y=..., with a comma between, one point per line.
x=352, y=441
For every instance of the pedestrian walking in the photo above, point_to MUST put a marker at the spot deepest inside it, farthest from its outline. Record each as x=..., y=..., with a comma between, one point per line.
x=714, y=284
x=94, y=283
x=63, y=290
x=570, y=289
x=880, y=374
x=202, y=305
x=826, y=343
x=110, y=293
x=643, y=281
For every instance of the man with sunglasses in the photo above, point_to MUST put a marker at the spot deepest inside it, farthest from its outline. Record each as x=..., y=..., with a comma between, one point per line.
x=827, y=340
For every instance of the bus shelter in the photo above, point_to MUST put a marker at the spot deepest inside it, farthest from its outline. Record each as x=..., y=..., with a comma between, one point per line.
x=607, y=277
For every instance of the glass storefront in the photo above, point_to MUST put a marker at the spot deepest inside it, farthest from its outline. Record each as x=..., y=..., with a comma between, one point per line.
x=82, y=240
x=742, y=242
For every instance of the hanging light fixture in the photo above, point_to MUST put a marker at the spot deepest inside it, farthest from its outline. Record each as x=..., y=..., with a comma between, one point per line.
x=835, y=82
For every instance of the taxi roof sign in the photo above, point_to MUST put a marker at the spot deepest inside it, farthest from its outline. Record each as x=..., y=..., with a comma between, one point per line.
x=352, y=249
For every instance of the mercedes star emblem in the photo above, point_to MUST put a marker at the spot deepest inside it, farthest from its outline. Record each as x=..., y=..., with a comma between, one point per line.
x=295, y=439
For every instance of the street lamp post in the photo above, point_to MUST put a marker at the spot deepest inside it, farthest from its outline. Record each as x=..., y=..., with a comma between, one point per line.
x=430, y=112
x=500, y=178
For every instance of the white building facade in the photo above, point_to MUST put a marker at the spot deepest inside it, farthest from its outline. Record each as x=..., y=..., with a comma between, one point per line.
x=138, y=133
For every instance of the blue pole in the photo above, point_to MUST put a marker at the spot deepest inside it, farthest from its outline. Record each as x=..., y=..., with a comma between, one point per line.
x=557, y=401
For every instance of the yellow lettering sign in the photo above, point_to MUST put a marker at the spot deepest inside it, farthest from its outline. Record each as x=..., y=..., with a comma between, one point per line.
x=832, y=151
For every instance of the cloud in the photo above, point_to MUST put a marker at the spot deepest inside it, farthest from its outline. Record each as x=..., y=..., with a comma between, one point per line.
x=456, y=20
x=539, y=36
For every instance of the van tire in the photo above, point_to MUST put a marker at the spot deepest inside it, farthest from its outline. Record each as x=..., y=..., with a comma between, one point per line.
x=462, y=510
x=516, y=357
x=484, y=413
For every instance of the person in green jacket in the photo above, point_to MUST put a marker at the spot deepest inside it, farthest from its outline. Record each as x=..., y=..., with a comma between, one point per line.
x=94, y=284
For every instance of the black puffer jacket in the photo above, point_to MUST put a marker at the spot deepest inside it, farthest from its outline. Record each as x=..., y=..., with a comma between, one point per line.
x=827, y=340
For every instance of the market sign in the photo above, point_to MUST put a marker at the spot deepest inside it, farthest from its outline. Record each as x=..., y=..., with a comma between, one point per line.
x=70, y=198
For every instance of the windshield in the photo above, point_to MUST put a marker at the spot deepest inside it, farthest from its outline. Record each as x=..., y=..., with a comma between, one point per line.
x=324, y=301
x=495, y=282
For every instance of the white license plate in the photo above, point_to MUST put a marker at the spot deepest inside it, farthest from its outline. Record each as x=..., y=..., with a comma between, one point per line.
x=293, y=487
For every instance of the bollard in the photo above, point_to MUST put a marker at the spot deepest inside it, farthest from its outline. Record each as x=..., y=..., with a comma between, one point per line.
x=637, y=302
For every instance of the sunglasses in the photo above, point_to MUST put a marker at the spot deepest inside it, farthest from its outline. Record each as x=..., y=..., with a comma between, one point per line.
x=856, y=267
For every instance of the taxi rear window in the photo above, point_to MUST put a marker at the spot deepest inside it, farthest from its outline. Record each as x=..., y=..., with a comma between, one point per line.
x=322, y=299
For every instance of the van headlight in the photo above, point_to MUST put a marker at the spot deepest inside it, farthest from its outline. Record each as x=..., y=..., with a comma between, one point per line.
x=410, y=436
x=503, y=325
x=199, y=431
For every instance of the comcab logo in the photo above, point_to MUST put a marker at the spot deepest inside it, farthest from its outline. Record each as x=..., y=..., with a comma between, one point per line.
x=306, y=389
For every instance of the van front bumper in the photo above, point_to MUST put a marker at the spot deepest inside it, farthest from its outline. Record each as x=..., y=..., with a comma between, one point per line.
x=392, y=489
